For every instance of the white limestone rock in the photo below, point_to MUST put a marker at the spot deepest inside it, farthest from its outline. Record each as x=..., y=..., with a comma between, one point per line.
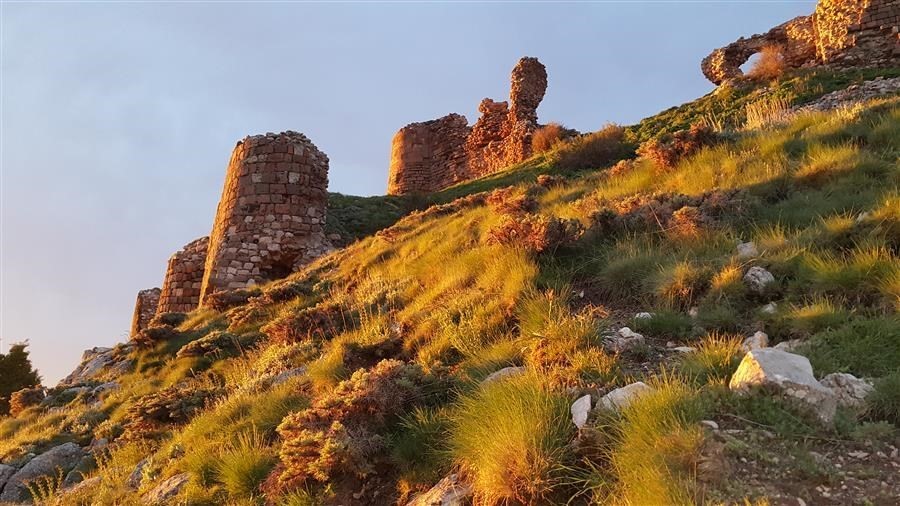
x=65, y=456
x=849, y=390
x=757, y=341
x=747, y=250
x=580, y=410
x=451, y=491
x=622, y=397
x=506, y=372
x=166, y=490
x=785, y=374
x=757, y=279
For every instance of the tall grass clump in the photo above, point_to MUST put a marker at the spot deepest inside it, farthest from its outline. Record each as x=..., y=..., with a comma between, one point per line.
x=244, y=464
x=657, y=445
x=715, y=359
x=511, y=437
x=767, y=111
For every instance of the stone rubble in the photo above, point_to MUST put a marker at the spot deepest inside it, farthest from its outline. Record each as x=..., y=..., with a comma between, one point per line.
x=757, y=279
x=506, y=372
x=580, y=410
x=450, y=491
x=65, y=457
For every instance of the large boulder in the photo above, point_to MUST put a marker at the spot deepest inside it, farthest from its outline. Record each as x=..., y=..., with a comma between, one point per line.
x=451, y=491
x=620, y=398
x=64, y=457
x=785, y=374
x=167, y=489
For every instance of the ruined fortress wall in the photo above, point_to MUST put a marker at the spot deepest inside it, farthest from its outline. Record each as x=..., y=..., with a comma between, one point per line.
x=430, y=156
x=839, y=33
x=858, y=32
x=144, y=309
x=271, y=217
x=184, y=276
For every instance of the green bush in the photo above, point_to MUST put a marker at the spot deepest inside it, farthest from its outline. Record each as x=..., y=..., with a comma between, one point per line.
x=884, y=402
x=863, y=347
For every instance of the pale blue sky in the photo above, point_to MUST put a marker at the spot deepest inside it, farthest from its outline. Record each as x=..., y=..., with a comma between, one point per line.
x=118, y=119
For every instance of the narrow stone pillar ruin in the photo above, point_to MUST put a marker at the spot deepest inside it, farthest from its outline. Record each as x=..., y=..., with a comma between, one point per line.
x=271, y=217
x=144, y=309
x=184, y=277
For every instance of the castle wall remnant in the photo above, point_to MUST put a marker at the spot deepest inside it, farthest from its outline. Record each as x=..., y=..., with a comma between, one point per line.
x=144, y=309
x=430, y=156
x=840, y=33
x=271, y=216
x=184, y=276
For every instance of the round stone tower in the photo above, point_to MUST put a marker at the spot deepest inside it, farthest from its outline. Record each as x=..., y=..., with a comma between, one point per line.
x=271, y=217
x=184, y=276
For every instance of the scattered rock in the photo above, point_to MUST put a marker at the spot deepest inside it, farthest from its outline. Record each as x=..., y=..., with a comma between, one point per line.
x=137, y=475
x=451, y=491
x=622, y=397
x=757, y=279
x=747, y=250
x=75, y=489
x=167, y=489
x=789, y=346
x=786, y=374
x=757, y=341
x=854, y=94
x=580, y=410
x=643, y=316
x=77, y=474
x=709, y=424
x=684, y=349
x=849, y=390
x=6, y=473
x=286, y=375
x=693, y=312
x=503, y=373
x=65, y=456
x=624, y=340
x=105, y=387
x=770, y=308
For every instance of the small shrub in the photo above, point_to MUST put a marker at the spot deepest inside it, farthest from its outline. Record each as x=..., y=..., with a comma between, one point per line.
x=419, y=447
x=21, y=400
x=884, y=402
x=547, y=137
x=664, y=324
x=593, y=150
x=770, y=65
x=168, y=319
x=678, y=285
x=340, y=433
x=227, y=299
x=322, y=321
x=216, y=343
x=151, y=336
x=172, y=405
x=668, y=150
x=511, y=437
x=511, y=201
x=535, y=233
x=714, y=360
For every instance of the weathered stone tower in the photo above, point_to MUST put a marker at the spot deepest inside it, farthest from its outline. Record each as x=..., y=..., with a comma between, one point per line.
x=841, y=33
x=271, y=217
x=144, y=309
x=430, y=156
x=184, y=276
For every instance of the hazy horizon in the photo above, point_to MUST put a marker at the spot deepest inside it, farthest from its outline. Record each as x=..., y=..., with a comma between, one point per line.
x=117, y=120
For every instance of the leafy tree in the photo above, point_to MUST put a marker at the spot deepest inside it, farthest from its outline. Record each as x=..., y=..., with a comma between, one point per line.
x=16, y=373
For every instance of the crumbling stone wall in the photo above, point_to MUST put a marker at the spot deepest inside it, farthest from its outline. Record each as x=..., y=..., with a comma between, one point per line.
x=144, y=309
x=861, y=32
x=271, y=217
x=840, y=33
x=184, y=277
x=430, y=156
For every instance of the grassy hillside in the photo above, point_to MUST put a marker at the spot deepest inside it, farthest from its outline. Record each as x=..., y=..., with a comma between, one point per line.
x=359, y=379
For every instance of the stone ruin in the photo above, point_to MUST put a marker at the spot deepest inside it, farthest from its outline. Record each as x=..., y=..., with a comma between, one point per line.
x=184, y=275
x=840, y=33
x=430, y=156
x=144, y=309
x=271, y=217
x=270, y=221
